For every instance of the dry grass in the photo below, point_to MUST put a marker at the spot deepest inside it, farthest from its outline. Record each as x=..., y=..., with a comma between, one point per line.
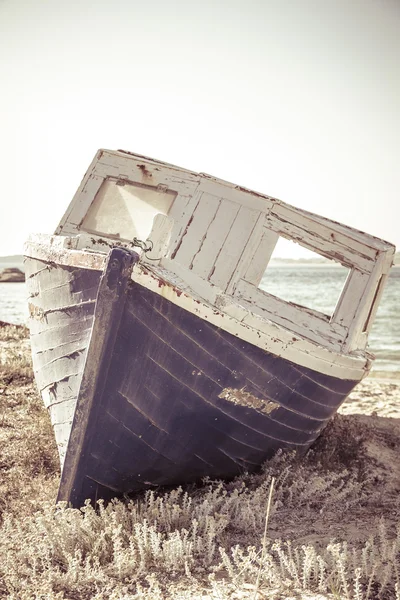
x=28, y=456
x=332, y=533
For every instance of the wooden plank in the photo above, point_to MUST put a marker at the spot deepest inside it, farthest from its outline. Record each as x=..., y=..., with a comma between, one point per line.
x=160, y=237
x=62, y=226
x=299, y=320
x=59, y=369
x=136, y=169
x=182, y=213
x=59, y=255
x=365, y=239
x=197, y=230
x=109, y=306
x=350, y=299
x=194, y=284
x=261, y=257
x=83, y=201
x=371, y=294
x=237, y=194
x=247, y=254
x=319, y=238
x=231, y=316
x=147, y=172
x=232, y=250
x=126, y=161
x=62, y=432
x=215, y=236
x=66, y=390
x=62, y=412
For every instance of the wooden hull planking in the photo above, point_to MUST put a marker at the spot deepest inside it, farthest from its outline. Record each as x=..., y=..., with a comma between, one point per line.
x=143, y=393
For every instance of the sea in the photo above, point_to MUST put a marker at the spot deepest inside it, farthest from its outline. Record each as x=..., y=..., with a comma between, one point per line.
x=314, y=286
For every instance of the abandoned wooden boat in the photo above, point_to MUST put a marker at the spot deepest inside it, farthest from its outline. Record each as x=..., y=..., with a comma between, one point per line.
x=157, y=355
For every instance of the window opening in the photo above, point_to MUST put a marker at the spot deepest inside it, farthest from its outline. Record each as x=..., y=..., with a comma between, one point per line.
x=126, y=210
x=304, y=277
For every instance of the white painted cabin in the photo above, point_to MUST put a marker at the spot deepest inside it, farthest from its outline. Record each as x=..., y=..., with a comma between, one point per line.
x=218, y=238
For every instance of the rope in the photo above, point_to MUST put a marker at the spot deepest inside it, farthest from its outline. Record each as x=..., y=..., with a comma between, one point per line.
x=146, y=246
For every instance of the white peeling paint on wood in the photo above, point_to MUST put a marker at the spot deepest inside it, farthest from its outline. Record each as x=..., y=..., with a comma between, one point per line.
x=235, y=193
x=128, y=168
x=61, y=433
x=230, y=315
x=147, y=171
x=214, y=238
x=182, y=212
x=80, y=208
x=62, y=412
x=256, y=267
x=366, y=240
x=349, y=302
x=232, y=250
x=301, y=321
x=247, y=255
x=371, y=292
x=237, y=320
x=160, y=236
x=319, y=238
x=55, y=250
x=179, y=275
x=201, y=219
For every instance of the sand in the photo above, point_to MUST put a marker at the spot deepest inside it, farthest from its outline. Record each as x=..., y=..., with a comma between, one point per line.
x=375, y=397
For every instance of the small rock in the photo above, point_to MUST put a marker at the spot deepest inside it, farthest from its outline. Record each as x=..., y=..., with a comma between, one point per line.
x=12, y=275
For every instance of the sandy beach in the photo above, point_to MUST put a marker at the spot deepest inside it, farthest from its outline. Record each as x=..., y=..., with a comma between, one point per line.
x=375, y=396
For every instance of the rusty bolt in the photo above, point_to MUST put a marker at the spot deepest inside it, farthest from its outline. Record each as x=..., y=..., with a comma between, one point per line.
x=114, y=264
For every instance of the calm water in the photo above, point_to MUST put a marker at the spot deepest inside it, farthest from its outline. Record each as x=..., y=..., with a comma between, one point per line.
x=315, y=287
x=319, y=287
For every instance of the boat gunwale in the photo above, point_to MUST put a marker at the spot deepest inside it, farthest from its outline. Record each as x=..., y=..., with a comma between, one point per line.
x=229, y=314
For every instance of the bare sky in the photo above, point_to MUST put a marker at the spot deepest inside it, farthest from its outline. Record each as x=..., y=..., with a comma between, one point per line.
x=298, y=99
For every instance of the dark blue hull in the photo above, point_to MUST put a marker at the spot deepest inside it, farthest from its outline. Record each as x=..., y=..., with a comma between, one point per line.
x=167, y=398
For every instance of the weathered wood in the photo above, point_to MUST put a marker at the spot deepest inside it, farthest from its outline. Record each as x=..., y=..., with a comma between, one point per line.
x=182, y=213
x=232, y=249
x=59, y=336
x=237, y=194
x=349, y=302
x=323, y=239
x=62, y=412
x=135, y=169
x=109, y=304
x=204, y=289
x=372, y=291
x=57, y=253
x=192, y=240
x=78, y=211
x=160, y=236
x=217, y=384
x=261, y=257
x=204, y=260
x=248, y=255
x=231, y=316
x=301, y=320
x=222, y=310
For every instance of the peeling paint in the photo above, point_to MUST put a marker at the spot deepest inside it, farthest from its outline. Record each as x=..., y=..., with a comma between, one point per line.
x=35, y=312
x=246, y=399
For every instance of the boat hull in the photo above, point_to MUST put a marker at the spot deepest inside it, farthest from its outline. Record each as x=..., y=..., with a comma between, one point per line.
x=149, y=394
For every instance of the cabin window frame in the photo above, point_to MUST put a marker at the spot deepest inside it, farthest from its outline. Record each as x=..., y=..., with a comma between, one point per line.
x=131, y=169
x=348, y=327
